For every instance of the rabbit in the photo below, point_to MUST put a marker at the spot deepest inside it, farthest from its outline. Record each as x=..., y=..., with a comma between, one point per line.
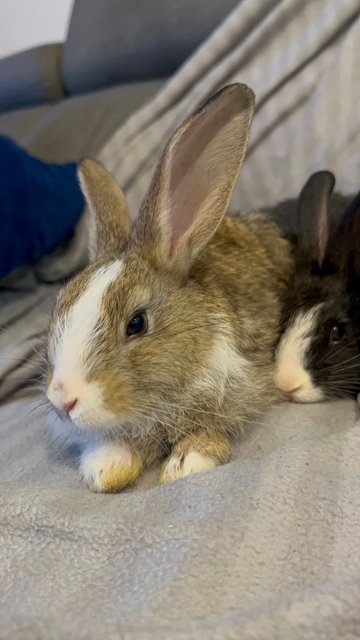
x=163, y=347
x=318, y=354
x=286, y=213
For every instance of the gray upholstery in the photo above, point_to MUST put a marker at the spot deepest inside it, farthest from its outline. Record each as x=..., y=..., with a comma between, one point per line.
x=31, y=77
x=17, y=124
x=107, y=45
x=130, y=40
x=80, y=125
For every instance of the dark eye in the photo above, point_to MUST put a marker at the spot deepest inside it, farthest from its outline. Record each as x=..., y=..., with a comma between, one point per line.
x=137, y=325
x=337, y=332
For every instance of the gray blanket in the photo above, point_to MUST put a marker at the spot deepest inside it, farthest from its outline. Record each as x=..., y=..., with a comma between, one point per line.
x=301, y=59
x=266, y=547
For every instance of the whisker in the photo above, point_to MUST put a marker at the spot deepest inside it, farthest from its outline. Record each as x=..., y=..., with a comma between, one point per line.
x=19, y=361
x=348, y=344
x=38, y=405
x=344, y=367
x=42, y=356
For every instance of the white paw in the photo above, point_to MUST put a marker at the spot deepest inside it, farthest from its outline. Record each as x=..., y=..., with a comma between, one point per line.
x=178, y=466
x=109, y=468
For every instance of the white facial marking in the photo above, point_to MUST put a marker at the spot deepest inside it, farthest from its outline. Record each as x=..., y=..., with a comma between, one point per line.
x=291, y=375
x=70, y=346
x=77, y=331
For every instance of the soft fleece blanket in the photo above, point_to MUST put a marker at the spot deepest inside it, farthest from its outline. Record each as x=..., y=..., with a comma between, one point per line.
x=266, y=547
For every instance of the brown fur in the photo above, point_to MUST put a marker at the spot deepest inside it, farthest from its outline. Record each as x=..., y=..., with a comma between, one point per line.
x=235, y=278
x=109, y=229
x=204, y=367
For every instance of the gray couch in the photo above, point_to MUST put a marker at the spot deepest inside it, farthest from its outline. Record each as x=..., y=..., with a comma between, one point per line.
x=63, y=101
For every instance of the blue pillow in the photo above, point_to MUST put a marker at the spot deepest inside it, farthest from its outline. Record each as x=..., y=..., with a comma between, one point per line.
x=40, y=204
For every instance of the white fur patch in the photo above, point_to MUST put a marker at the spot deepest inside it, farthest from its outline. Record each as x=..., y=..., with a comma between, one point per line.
x=193, y=462
x=99, y=460
x=291, y=375
x=70, y=346
x=224, y=362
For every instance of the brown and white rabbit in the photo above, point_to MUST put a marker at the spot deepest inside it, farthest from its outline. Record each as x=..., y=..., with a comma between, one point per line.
x=318, y=355
x=163, y=346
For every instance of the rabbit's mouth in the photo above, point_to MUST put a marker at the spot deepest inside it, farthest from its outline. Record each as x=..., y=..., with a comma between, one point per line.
x=92, y=419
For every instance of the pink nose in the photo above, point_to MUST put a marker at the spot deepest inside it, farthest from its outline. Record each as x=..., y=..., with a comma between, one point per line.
x=69, y=405
x=60, y=397
x=290, y=389
x=288, y=382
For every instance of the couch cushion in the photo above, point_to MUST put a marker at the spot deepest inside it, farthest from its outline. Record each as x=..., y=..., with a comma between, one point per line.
x=31, y=77
x=80, y=125
x=17, y=124
x=125, y=40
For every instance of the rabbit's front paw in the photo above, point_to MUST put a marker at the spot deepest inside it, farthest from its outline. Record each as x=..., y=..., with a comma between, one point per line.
x=179, y=465
x=109, y=468
x=193, y=454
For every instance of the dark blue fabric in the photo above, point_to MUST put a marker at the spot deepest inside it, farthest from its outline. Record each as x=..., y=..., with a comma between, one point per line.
x=40, y=204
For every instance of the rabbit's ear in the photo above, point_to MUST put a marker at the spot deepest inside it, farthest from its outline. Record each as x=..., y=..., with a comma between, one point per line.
x=346, y=238
x=313, y=215
x=110, y=221
x=195, y=177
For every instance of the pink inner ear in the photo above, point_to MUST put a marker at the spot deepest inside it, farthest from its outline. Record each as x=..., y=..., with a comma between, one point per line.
x=201, y=164
x=187, y=198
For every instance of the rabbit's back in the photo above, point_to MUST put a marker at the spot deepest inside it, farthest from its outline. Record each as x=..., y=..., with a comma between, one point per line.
x=244, y=271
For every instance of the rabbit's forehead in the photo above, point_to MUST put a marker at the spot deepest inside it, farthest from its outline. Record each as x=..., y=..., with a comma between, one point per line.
x=79, y=315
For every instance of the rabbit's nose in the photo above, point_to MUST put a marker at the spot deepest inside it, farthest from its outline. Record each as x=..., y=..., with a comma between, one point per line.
x=61, y=397
x=70, y=405
x=289, y=381
x=289, y=389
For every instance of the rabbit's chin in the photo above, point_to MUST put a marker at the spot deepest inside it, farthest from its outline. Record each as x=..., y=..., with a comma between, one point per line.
x=84, y=428
x=95, y=419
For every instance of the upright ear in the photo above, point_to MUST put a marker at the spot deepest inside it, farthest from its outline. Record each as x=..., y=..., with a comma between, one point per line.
x=193, y=181
x=313, y=215
x=345, y=243
x=110, y=221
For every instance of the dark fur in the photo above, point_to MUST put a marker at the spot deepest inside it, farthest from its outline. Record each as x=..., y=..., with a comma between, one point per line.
x=333, y=281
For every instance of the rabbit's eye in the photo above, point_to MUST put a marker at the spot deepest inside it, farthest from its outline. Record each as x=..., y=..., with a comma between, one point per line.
x=137, y=325
x=337, y=332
